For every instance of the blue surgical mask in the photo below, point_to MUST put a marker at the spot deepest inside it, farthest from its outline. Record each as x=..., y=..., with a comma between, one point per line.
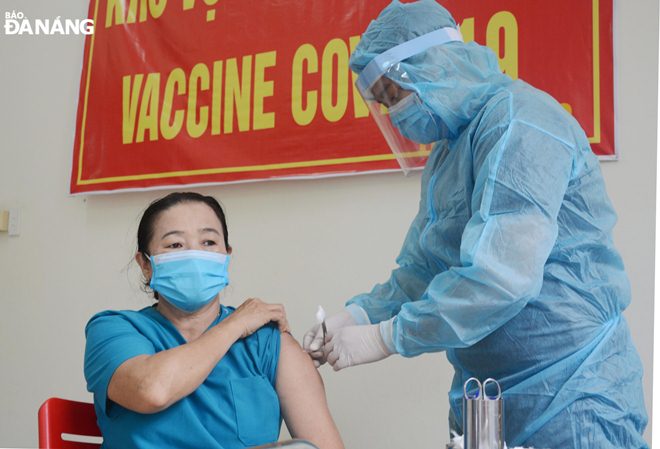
x=416, y=121
x=189, y=279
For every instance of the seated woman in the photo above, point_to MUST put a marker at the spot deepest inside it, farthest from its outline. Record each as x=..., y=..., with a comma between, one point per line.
x=189, y=372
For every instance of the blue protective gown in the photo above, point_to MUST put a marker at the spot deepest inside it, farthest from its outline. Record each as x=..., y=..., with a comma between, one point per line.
x=234, y=408
x=509, y=265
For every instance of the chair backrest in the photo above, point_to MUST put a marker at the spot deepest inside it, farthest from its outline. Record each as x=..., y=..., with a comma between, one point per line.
x=62, y=422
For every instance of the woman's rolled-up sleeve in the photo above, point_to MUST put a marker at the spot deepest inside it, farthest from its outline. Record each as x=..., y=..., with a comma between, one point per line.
x=111, y=340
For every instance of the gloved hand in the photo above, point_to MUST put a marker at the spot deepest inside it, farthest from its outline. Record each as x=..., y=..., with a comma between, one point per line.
x=355, y=345
x=313, y=338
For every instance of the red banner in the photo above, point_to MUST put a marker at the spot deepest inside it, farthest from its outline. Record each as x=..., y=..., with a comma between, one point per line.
x=202, y=92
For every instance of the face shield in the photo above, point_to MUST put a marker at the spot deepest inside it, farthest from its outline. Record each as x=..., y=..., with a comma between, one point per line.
x=407, y=124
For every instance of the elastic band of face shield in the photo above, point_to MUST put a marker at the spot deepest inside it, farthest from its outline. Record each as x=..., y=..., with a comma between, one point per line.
x=381, y=63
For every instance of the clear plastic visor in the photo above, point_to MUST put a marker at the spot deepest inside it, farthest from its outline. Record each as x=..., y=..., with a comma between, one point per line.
x=384, y=96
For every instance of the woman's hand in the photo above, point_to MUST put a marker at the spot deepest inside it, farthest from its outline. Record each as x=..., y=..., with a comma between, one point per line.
x=254, y=313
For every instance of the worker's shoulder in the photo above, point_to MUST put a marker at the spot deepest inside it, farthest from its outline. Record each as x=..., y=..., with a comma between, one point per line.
x=538, y=109
x=520, y=104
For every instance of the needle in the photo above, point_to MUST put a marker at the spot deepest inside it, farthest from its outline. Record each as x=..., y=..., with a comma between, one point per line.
x=320, y=318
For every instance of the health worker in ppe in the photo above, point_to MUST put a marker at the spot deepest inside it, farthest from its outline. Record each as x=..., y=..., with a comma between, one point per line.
x=509, y=266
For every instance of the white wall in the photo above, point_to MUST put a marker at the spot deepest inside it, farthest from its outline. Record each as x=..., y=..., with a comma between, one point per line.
x=301, y=243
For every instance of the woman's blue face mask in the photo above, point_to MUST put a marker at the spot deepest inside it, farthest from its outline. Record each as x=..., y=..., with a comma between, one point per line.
x=416, y=121
x=189, y=279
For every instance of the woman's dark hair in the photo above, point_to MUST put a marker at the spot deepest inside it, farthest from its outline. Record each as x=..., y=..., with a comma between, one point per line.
x=146, y=227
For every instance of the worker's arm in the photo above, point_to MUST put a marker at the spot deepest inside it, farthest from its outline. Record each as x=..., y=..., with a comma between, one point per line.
x=302, y=397
x=411, y=277
x=519, y=189
x=406, y=283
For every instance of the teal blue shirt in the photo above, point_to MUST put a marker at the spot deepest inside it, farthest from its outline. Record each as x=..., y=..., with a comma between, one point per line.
x=235, y=407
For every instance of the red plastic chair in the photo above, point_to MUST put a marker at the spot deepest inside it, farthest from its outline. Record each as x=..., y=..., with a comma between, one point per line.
x=62, y=423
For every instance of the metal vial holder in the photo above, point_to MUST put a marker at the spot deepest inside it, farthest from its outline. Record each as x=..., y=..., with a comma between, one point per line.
x=483, y=417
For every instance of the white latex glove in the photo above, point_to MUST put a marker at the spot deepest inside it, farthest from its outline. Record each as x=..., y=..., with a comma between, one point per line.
x=313, y=338
x=355, y=345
